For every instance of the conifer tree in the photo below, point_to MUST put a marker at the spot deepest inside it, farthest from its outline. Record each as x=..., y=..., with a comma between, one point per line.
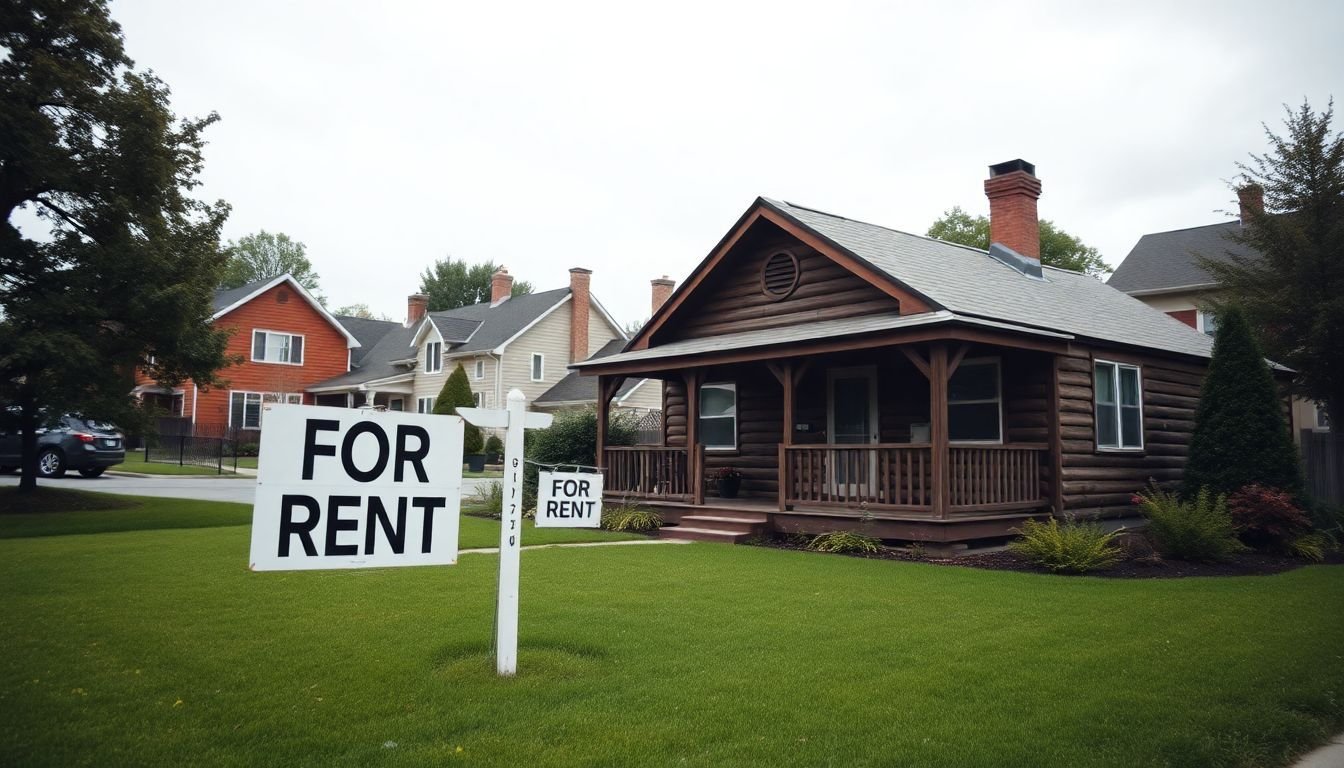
x=1241, y=436
x=456, y=393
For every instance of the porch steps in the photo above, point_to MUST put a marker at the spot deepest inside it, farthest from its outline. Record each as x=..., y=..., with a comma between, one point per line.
x=722, y=526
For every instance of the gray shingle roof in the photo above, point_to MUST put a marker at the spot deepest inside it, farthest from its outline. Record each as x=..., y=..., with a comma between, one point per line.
x=226, y=297
x=377, y=362
x=578, y=388
x=488, y=326
x=968, y=281
x=367, y=331
x=1164, y=260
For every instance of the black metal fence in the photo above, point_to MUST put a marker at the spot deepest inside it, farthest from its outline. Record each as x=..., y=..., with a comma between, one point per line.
x=222, y=453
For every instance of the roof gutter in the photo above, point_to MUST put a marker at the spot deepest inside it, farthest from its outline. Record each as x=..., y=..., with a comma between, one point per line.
x=1174, y=289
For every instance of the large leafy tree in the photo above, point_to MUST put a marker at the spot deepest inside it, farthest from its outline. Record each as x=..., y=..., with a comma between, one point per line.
x=1058, y=248
x=1292, y=289
x=105, y=258
x=361, y=310
x=453, y=283
x=1241, y=436
x=264, y=255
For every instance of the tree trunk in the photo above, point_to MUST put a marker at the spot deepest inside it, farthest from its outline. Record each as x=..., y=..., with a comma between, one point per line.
x=29, y=420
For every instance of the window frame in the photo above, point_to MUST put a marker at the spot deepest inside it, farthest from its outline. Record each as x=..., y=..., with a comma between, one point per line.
x=290, y=398
x=303, y=347
x=536, y=367
x=700, y=417
x=1201, y=322
x=479, y=372
x=1120, y=446
x=478, y=399
x=434, y=352
x=424, y=405
x=1322, y=418
x=998, y=398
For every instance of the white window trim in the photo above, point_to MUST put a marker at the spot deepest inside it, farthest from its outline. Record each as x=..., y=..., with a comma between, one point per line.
x=1320, y=421
x=252, y=350
x=282, y=397
x=478, y=398
x=392, y=400
x=998, y=400
x=479, y=372
x=1200, y=324
x=1119, y=422
x=424, y=405
x=532, y=366
x=699, y=407
x=436, y=357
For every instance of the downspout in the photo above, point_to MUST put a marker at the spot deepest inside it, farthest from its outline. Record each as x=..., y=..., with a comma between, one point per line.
x=499, y=364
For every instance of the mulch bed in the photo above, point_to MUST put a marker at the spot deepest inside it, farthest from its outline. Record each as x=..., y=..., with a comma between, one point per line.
x=1148, y=566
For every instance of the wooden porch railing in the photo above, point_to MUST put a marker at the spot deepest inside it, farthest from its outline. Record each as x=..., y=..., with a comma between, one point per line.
x=899, y=476
x=647, y=472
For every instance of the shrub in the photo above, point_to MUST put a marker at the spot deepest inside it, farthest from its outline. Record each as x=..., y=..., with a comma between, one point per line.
x=844, y=542
x=1328, y=519
x=630, y=518
x=1074, y=547
x=456, y=393
x=494, y=446
x=488, y=500
x=572, y=440
x=1201, y=531
x=248, y=449
x=1240, y=435
x=1265, y=517
x=1310, y=546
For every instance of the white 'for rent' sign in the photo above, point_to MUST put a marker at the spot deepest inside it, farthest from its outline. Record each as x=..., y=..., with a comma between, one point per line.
x=569, y=500
x=343, y=488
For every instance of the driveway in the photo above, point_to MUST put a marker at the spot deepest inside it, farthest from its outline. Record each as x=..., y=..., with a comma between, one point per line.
x=237, y=489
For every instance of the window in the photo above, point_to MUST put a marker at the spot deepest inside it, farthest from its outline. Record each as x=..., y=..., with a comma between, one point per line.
x=433, y=358
x=476, y=399
x=1206, y=322
x=245, y=408
x=1322, y=418
x=538, y=366
x=179, y=400
x=718, y=416
x=396, y=404
x=273, y=347
x=1119, y=406
x=974, y=408
x=424, y=405
x=480, y=369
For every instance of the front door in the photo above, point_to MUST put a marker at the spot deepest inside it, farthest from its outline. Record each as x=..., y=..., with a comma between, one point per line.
x=852, y=419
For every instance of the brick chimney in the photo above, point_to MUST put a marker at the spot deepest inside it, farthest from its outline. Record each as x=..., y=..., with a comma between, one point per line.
x=662, y=290
x=579, y=305
x=1252, y=200
x=416, y=305
x=501, y=286
x=1012, y=189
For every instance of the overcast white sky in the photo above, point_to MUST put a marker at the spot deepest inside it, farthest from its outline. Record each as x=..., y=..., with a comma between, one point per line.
x=628, y=137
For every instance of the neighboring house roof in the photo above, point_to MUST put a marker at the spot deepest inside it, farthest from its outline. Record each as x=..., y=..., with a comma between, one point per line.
x=229, y=299
x=576, y=388
x=379, y=362
x=1169, y=261
x=969, y=282
x=368, y=331
x=482, y=327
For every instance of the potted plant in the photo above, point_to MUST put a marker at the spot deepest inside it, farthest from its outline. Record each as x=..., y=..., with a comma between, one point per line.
x=494, y=450
x=729, y=480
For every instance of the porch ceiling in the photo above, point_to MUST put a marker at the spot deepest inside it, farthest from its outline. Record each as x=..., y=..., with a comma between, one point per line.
x=818, y=331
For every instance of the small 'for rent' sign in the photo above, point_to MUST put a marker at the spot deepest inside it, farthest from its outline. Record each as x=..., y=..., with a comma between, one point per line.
x=569, y=500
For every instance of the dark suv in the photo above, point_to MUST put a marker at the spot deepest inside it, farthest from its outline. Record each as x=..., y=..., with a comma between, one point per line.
x=67, y=442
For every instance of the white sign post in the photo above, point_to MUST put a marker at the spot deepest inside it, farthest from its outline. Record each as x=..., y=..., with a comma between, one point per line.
x=569, y=500
x=515, y=419
x=342, y=488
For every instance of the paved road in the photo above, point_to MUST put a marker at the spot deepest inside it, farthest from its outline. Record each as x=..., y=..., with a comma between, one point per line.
x=239, y=489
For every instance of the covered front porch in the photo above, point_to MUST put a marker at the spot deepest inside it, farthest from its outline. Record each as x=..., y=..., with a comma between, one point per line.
x=937, y=441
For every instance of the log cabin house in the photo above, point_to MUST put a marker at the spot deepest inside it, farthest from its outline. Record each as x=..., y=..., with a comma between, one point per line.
x=857, y=376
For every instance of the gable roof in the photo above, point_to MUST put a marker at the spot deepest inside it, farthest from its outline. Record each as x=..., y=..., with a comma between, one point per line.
x=577, y=388
x=228, y=299
x=380, y=361
x=482, y=327
x=368, y=331
x=1168, y=261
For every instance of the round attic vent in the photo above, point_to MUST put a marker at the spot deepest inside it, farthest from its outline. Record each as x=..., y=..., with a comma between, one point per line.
x=779, y=275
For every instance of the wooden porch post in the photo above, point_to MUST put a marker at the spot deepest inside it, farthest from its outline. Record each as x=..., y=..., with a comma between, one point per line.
x=602, y=402
x=786, y=440
x=692, y=379
x=938, y=427
x=1056, y=456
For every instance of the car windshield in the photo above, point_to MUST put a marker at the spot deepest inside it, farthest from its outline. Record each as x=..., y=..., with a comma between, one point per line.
x=78, y=422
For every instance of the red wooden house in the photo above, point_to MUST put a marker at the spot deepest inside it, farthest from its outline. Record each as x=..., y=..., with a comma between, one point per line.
x=855, y=375
x=286, y=341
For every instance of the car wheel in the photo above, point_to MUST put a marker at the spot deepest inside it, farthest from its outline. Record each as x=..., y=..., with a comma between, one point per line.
x=8, y=470
x=50, y=463
x=92, y=471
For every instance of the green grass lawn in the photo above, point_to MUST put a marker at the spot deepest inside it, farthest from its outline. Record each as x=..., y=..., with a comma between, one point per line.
x=135, y=462
x=156, y=646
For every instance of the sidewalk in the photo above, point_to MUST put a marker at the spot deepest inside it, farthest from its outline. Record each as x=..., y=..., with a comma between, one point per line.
x=1329, y=756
